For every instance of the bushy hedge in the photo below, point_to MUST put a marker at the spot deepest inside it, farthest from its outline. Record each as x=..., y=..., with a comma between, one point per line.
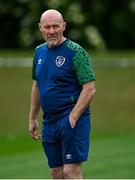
x=95, y=24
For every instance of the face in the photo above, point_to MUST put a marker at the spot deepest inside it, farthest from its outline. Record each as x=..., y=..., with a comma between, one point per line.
x=52, y=28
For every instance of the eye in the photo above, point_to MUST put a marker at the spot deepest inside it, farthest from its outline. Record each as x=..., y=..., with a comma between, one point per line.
x=46, y=27
x=56, y=26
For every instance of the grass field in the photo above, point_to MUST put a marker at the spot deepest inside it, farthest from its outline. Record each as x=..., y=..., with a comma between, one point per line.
x=110, y=157
x=113, y=126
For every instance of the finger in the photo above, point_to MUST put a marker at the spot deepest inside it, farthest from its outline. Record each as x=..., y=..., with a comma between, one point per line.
x=36, y=135
x=32, y=134
x=73, y=124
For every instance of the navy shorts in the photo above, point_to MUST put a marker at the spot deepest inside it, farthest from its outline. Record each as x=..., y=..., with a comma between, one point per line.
x=63, y=144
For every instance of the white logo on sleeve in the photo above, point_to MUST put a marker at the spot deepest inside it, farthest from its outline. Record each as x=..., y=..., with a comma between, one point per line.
x=60, y=61
x=68, y=156
x=39, y=61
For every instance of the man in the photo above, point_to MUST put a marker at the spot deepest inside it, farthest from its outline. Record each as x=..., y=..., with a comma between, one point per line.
x=64, y=87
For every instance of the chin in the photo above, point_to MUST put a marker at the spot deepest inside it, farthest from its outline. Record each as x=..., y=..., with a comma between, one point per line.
x=52, y=44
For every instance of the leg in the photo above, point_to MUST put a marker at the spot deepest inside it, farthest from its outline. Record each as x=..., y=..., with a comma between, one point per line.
x=75, y=146
x=72, y=171
x=52, y=150
x=57, y=173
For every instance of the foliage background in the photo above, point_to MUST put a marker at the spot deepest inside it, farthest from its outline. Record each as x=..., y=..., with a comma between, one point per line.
x=94, y=24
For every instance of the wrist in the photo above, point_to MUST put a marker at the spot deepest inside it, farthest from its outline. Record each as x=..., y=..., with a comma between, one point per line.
x=73, y=117
x=32, y=119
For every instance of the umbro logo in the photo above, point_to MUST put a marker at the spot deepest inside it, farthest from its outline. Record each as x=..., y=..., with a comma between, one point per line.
x=39, y=61
x=60, y=60
x=68, y=156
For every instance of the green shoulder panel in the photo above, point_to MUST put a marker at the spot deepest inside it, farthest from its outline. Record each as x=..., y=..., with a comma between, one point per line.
x=82, y=63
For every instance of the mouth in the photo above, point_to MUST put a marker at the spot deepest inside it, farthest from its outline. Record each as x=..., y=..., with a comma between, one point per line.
x=52, y=38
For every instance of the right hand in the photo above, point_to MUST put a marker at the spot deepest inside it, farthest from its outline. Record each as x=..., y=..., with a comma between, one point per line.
x=34, y=129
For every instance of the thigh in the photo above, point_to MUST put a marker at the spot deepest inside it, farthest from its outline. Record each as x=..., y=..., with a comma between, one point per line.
x=53, y=154
x=75, y=144
x=51, y=146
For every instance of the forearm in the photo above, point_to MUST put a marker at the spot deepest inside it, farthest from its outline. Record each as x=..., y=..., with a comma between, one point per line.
x=35, y=102
x=83, y=101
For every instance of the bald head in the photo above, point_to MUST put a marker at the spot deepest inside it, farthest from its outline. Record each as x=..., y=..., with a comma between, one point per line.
x=52, y=27
x=50, y=14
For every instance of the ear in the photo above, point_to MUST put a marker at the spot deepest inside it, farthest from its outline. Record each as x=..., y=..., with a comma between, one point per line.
x=64, y=26
x=39, y=25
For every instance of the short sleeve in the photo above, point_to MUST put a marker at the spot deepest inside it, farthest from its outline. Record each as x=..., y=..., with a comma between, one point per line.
x=83, y=66
x=34, y=69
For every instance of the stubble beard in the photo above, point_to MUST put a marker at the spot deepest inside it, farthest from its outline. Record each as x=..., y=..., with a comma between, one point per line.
x=52, y=43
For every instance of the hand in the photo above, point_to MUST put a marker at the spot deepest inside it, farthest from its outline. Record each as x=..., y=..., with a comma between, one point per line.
x=72, y=121
x=34, y=129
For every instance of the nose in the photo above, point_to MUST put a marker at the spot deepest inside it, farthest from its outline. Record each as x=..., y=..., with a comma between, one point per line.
x=51, y=31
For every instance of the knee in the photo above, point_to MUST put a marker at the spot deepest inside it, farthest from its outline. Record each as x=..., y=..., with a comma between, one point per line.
x=67, y=174
x=56, y=173
x=72, y=171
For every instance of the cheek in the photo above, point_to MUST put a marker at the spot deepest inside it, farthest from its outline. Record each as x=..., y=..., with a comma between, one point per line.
x=44, y=34
x=60, y=33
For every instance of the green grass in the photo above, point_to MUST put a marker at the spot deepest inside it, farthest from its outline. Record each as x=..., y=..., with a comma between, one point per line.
x=16, y=53
x=14, y=99
x=113, y=126
x=113, y=105
x=110, y=157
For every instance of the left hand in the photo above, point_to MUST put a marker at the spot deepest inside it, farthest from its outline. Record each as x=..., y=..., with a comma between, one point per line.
x=72, y=121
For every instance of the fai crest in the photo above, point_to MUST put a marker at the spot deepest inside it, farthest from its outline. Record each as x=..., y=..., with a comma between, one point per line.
x=60, y=61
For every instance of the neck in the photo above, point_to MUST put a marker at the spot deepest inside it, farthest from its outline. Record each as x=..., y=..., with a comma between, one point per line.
x=62, y=40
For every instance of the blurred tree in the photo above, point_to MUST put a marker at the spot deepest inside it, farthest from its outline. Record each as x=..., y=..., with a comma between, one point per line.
x=11, y=14
x=117, y=29
x=94, y=24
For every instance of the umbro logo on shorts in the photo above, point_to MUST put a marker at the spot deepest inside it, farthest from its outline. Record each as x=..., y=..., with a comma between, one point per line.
x=60, y=60
x=39, y=61
x=68, y=156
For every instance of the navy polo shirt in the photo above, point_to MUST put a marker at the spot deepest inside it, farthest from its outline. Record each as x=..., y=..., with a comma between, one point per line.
x=60, y=73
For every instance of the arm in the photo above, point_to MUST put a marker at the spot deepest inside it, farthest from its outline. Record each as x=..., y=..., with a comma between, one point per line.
x=83, y=102
x=34, y=110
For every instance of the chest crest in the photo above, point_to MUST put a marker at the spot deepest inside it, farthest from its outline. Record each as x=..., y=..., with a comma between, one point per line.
x=60, y=60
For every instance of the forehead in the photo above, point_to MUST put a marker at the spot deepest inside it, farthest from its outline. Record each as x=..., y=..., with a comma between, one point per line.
x=51, y=19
